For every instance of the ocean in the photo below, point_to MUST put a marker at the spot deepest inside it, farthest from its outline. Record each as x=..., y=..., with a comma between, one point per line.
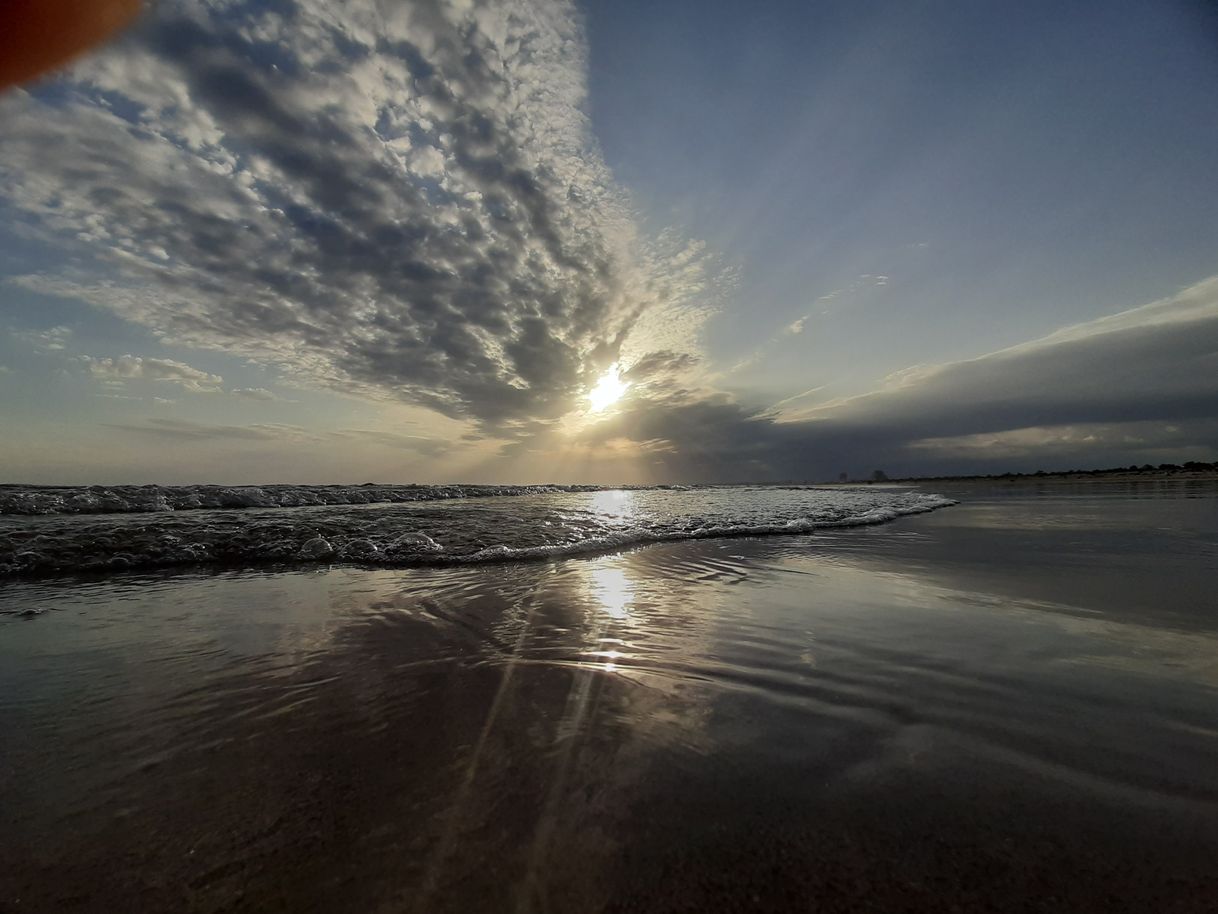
x=973, y=697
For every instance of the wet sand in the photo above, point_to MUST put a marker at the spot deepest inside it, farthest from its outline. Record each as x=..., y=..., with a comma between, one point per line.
x=1010, y=705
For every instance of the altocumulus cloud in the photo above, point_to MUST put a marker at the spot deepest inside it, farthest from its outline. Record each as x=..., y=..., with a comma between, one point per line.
x=395, y=200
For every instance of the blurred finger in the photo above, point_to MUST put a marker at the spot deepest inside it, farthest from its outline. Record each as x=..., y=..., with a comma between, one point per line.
x=38, y=35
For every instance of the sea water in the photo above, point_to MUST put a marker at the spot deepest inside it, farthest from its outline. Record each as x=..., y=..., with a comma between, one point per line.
x=48, y=530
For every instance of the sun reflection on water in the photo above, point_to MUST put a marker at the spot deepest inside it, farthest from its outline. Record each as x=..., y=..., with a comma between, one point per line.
x=612, y=596
x=613, y=590
x=615, y=502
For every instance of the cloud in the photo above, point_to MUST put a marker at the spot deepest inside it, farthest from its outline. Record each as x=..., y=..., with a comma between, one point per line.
x=663, y=364
x=399, y=201
x=1159, y=361
x=419, y=444
x=254, y=393
x=53, y=339
x=280, y=438
x=134, y=368
x=186, y=430
x=822, y=306
x=1172, y=441
x=786, y=401
x=1141, y=382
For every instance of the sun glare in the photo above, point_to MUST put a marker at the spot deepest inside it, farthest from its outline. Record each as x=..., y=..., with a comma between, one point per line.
x=608, y=389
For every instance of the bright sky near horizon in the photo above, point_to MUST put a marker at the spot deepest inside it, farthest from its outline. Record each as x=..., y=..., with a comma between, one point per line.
x=525, y=241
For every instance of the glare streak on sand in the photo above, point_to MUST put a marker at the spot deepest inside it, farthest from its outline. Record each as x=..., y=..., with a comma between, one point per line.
x=611, y=589
x=454, y=819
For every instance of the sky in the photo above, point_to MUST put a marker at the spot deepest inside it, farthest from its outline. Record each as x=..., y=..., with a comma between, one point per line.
x=306, y=241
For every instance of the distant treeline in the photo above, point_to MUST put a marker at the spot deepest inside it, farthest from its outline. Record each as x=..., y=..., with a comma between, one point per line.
x=1163, y=469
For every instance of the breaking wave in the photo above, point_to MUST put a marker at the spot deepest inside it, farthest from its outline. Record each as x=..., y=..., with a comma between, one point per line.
x=542, y=522
x=36, y=500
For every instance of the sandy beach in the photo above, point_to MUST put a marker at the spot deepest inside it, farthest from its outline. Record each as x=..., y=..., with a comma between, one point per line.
x=892, y=718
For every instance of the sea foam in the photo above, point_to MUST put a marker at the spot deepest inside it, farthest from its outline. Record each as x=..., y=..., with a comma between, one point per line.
x=37, y=500
x=540, y=522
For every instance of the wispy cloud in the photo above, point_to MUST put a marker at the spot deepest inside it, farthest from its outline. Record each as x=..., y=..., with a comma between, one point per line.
x=134, y=368
x=186, y=430
x=776, y=408
x=420, y=444
x=1170, y=441
x=822, y=307
x=175, y=430
x=255, y=393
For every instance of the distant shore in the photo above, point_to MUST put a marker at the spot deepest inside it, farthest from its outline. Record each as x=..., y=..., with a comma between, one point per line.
x=1118, y=474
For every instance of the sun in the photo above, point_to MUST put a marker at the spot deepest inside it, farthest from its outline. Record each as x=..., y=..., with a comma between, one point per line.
x=608, y=389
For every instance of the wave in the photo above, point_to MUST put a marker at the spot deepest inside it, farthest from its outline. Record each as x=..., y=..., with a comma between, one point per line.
x=552, y=524
x=624, y=539
x=44, y=500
